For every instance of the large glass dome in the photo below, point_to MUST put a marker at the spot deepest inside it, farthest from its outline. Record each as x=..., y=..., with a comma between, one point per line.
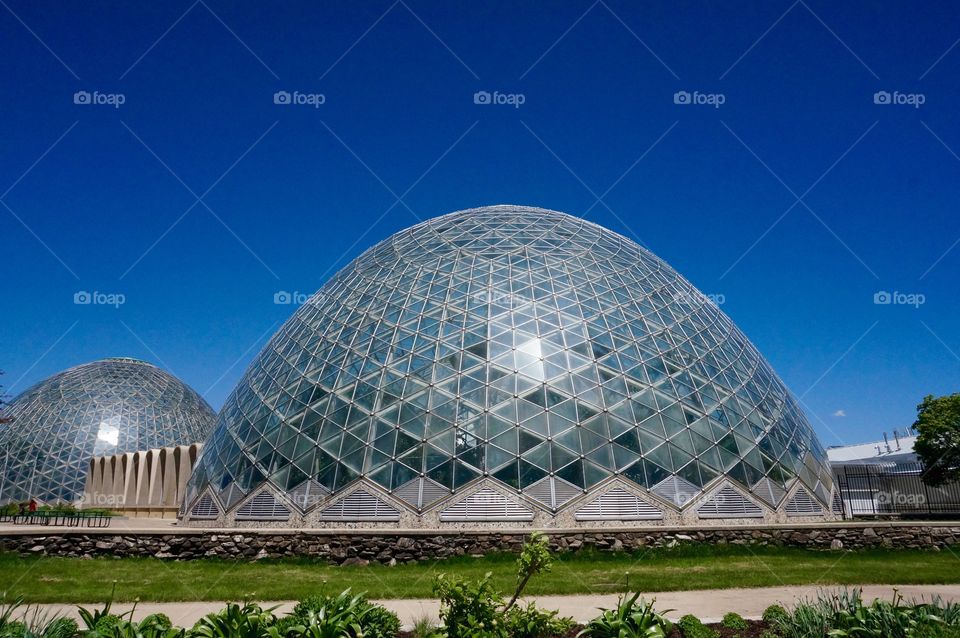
x=508, y=363
x=105, y=407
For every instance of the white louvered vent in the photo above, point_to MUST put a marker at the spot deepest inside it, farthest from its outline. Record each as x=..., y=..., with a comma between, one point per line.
x=431, y=493
x=205, y=508
x=769, y=491
x=802, y=504
x=420, y=493
x=620, y=505
x=837, y=505
x=729, y=503
x=542, y=492
x=676, y=490
x=307, y=495
x=553, y=492
x=486, y=505
x=409, y=492
x=263, y=507
x=360, y=506
x=564, y=492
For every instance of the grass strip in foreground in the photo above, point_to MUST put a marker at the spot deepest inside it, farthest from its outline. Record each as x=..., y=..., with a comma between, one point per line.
x=687, y=567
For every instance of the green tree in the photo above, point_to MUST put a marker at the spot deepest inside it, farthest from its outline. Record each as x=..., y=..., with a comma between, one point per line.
x=938, y=443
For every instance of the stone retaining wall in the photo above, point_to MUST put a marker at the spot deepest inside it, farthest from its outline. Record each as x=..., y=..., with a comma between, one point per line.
x=348, y=548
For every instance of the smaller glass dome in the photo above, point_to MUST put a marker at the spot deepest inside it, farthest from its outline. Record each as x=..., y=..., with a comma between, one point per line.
x=111, y=406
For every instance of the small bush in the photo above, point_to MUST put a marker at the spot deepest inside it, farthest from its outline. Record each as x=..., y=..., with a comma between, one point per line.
x=631, y=619
x=423, y=627
x=234, y=621
x=477, y=610
x=160, y=621
x=775, y=614
x=355, y=615
x=691, y=627
x=380, y=622
x=734, y=620
x=936, y=631
x=470, y=610
x=532, y=622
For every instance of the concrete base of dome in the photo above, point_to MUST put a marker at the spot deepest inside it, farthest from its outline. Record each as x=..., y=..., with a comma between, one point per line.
x=489, y=505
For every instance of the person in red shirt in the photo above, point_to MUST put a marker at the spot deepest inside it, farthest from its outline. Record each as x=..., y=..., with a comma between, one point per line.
x=33, y=506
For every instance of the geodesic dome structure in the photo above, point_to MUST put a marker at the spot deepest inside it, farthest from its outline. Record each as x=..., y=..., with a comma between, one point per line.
x=104, y=407
x=508, y=365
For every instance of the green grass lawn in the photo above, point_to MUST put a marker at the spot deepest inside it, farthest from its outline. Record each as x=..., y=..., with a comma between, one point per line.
x=68, y=580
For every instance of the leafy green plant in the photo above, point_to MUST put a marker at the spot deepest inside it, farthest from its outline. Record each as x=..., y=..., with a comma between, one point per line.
x=532, y=622
x=100, y=622
x=949, y=613
x=235, y=621
x=469, y=610
x=774, y=614
x=423, y=627
x=691, y=627
x=631, y=619
x=34, y=623
x=843, y=614
x=152, y=626
x=535, y=558
x=475, y=610
x=733, y=620
x=372, y=621
x=6, y=613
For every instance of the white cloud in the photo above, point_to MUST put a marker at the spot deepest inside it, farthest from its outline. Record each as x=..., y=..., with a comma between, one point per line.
x=840, y=413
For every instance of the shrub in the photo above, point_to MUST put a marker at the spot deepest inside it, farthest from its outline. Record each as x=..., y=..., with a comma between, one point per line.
x=531, y=622
x=691, y=627
x=157, y=620
x=423, y=627
x=40, y=626
x=234, y=621
x=734, y=620
x=936, y=631
x=844, y=614
x=476, y=610
x=535, y=558
x=469, y=609
x=774, y=614
x=631, y=619
x=373, y=620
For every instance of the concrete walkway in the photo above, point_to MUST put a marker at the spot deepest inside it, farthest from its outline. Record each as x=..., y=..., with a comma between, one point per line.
x=709, y=605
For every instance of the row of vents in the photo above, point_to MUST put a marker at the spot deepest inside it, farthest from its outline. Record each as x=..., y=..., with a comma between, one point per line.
x=489, y=505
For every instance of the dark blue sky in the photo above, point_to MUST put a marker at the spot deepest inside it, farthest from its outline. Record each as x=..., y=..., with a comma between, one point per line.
x=797, y=199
